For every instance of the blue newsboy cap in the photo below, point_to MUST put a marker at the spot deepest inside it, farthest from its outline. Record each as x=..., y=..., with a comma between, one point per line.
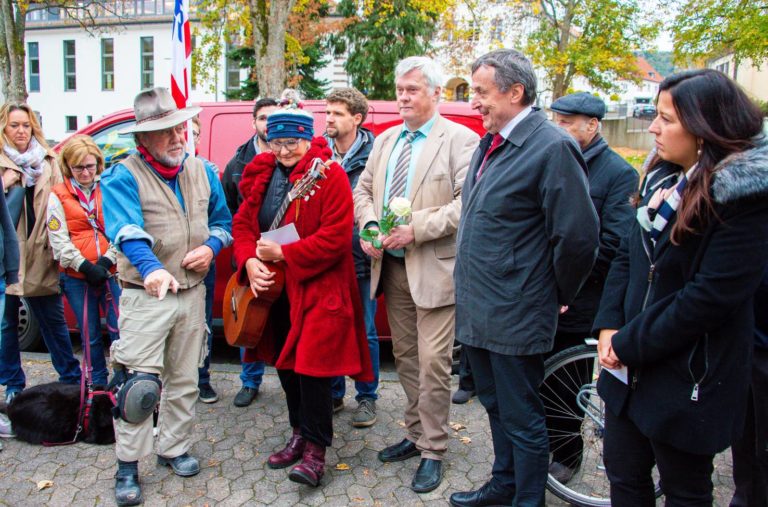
x=290, y=123
x=580, y=103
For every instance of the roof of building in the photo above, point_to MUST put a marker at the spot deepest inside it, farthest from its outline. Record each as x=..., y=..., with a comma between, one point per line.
x=647, y=72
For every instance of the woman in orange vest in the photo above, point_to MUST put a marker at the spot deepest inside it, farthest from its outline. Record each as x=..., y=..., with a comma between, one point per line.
x=86, y=257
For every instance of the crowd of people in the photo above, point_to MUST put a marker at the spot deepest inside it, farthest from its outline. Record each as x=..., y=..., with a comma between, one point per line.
x=517, y=245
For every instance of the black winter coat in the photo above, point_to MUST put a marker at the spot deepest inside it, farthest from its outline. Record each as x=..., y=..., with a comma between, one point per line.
x=230, y=180
x=612, y=181
x=353, y=165
x=527, y=239
x=685, y=315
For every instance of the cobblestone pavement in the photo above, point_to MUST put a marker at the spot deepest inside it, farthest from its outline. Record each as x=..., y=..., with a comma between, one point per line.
x=234, y=443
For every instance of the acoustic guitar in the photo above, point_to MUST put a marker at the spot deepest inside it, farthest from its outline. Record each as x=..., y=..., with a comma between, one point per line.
x=245, y=315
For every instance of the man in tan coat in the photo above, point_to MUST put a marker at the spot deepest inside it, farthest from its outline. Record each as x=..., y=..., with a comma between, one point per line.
x=424, y=160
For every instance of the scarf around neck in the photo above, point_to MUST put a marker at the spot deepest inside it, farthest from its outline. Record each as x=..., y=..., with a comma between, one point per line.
x=166, y=172
x=30, y=162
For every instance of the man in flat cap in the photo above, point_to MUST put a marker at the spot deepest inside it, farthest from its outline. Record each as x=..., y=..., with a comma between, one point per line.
x=611, y=183
x=166, y=213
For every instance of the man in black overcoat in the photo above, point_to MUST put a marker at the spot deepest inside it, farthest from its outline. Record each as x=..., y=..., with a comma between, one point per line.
x=527, y=240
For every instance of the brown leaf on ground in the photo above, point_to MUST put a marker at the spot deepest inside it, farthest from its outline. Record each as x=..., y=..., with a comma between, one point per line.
x=41, y=485
x=342, y=466
x=455, y=426
x=465, y=440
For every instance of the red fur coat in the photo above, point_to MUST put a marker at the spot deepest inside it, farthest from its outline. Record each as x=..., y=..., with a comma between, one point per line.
x=327, y=335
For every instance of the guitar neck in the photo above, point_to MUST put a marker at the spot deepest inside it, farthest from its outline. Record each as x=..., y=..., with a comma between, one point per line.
x=281, y=212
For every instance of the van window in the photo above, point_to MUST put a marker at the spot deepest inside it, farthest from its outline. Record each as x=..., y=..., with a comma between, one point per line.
x=115, y=147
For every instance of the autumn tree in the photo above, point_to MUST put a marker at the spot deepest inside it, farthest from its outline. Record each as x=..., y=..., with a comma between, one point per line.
x=594, y=39
x=710, y=28
x=13, y=23
x=255, y=25
x=383, y=33
x=473, y=27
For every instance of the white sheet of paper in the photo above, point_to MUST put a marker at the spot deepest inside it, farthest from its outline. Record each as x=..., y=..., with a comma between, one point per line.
x=620, y=373
x=284, y=235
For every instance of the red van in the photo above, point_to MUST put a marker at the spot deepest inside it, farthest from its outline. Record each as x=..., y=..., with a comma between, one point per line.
x=225, y=126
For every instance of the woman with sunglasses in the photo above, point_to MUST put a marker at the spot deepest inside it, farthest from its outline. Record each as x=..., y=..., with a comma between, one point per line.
x=86, y=257
x=316, y=326
x=677, y=308
x=29, y=171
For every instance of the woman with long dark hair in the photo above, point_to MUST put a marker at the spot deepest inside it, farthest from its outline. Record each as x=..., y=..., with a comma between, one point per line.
x=677, y=305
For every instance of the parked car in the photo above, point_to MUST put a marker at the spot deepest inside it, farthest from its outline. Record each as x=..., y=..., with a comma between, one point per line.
x=644, y=111
x=225, y=126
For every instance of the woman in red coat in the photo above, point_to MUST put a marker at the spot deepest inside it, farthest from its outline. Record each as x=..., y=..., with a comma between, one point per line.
x=316, y=329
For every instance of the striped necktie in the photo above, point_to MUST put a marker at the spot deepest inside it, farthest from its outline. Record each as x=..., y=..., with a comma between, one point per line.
x=400, y=175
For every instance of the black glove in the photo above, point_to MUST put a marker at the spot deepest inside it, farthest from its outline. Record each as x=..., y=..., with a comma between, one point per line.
x=95, y=274
x=105, y=263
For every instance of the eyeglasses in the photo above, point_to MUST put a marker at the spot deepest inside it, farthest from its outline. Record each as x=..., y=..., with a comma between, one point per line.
x=288, y=144
x=77, y=169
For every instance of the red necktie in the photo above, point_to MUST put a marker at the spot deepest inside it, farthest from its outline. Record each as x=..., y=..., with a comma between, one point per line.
x=497, y=140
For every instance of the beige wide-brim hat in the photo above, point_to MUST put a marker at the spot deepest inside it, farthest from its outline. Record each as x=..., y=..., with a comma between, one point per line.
x=155, y=109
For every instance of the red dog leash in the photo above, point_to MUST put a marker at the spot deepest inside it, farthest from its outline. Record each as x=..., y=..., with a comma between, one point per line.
x=86, y=373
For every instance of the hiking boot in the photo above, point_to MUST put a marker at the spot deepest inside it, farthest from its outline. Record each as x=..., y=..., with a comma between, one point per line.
x=312, y=466
x=207, y=394
x=289, y=454
x=183, y=466
x=127, y=487
x=6, y=431
x=245, y=396
x=9, y=396
x=365, y=414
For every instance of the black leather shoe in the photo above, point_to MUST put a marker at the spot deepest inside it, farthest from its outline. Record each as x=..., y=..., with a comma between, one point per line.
x=428, y=476
x=399, y=452
x=127, y=487
x=488, y=494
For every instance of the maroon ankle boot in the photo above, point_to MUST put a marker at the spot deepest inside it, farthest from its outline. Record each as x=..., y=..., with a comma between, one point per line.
x=290, y=454
x=312, y=466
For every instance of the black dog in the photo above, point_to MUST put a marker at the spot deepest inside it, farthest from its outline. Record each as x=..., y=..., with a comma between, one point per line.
x=48, y=413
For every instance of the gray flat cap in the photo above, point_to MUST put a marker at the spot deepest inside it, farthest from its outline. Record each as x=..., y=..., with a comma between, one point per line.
x=580, y=103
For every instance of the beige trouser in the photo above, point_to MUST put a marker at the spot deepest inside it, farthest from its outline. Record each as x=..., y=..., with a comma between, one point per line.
x=166, y=338
x=422, y=341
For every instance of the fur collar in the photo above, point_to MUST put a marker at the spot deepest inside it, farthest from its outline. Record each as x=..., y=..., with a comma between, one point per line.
x=743, y=174
x=258, y=172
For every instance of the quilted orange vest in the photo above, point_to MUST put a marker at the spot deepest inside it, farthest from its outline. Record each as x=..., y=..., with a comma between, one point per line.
x=89, y=241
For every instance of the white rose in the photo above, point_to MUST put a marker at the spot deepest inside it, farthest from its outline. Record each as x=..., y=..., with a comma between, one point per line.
x=400, y=206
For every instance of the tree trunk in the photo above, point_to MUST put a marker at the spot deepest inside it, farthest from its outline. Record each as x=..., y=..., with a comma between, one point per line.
x=269, y=26
x=12, y=25
x=560, y=81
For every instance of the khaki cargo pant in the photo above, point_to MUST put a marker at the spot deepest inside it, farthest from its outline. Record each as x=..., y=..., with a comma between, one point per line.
x=167, y=338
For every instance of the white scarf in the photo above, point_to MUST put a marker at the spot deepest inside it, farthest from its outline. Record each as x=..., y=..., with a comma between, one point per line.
x=30, y=162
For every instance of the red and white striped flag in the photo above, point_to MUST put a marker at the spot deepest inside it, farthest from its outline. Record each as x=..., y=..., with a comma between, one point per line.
x=181, y=59
x=181, y=62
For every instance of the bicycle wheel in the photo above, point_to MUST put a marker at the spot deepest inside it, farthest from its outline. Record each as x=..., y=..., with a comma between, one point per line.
x=576, y=424
x=575, y=440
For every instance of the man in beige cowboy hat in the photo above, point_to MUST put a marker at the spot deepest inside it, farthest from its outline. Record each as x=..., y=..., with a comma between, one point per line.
x=168, y=216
